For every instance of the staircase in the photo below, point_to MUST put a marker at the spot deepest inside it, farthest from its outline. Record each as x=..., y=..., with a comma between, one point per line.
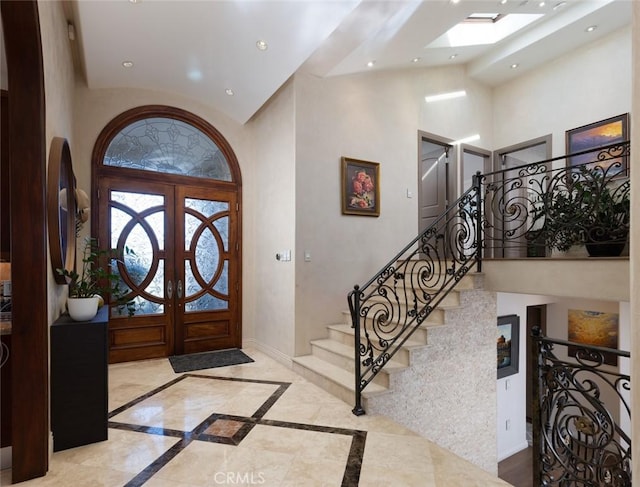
x=331, y=362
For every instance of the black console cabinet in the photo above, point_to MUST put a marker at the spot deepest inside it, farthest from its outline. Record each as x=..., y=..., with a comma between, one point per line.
x=79, y=388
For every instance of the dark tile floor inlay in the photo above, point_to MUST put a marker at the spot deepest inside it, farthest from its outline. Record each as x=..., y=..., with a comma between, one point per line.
x=231, y=430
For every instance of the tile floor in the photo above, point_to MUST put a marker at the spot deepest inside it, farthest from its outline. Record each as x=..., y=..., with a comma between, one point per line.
x=250, y=424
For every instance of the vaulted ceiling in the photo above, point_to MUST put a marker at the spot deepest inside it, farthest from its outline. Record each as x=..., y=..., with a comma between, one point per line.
x=210, y=50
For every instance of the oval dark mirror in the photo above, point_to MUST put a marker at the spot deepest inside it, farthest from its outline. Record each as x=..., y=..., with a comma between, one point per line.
x=61, y=208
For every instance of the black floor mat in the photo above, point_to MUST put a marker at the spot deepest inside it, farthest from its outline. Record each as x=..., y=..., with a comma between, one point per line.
x=208, y=360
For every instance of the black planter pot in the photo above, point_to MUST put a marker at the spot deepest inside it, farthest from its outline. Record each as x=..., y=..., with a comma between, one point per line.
x=605, y=249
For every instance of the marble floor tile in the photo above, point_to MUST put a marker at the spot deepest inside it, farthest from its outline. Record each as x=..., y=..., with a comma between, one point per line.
x=300, y=443
x=224, y=427
x=206, y=464
x=394, y=452
x=314, y=473
x=128, y=451
x=186, y=404
x=63, y=473
x=251, y=424
x=159, y=482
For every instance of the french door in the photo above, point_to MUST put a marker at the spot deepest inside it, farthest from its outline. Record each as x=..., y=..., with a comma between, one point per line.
x=177, y=255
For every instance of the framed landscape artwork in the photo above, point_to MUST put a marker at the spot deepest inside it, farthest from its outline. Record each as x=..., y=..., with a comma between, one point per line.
x=508, y=345
x=593, y=328
x=599, y=134
x=360, y=187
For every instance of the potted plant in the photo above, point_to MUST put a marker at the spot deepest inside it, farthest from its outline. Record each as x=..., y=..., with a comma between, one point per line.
x=88, y=288
x=586, y=209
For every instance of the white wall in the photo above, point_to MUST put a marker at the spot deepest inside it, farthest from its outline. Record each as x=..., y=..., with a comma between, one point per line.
x=511, y=390
x=587, y=85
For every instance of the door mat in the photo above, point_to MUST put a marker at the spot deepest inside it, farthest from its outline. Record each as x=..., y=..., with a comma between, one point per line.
x=208, y=360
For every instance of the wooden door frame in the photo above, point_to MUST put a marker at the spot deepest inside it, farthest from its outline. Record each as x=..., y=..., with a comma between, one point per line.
x=452, y=175
x=544, y=139
x=30, y=325
x=477, y=151
x=118, y=326
x=98, y=170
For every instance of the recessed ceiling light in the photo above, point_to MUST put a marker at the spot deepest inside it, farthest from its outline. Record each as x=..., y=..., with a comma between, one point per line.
x=415, y=60
x=591, y=28
x=503, y=2
x=229, y=91
x=514, y=65
x=453, y=56
x=135, y=1
x=454, y=1
x=195, y=75
x=262, y=45
x=542, y=4
x=370, y=64
x=127, y=64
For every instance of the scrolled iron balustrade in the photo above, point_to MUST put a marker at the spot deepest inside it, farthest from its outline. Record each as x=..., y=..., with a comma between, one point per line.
x=389, y=308
x=529, y=209
x=516, y=212
x=577, y=440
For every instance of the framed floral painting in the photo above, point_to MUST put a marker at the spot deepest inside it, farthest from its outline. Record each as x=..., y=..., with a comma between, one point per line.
x=360, y=187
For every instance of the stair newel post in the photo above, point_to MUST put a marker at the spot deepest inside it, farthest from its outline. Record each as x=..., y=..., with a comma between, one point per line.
x=477, y=184
x=354, y=305
x=536, y=423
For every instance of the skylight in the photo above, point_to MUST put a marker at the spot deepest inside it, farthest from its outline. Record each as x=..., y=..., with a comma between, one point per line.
x=483, y=17
x=482, y=29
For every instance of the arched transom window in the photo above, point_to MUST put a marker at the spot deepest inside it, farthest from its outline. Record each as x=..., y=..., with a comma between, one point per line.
x=167, y=145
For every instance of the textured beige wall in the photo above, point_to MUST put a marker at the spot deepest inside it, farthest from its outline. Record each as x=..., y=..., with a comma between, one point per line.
x=59, y=86
x=603, y=279
x=635, y=240
x=273, y=141
x=449, y=393
x=375, y=117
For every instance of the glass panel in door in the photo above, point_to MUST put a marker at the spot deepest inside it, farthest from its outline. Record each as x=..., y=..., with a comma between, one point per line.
x=208, y=319
x=136, y=216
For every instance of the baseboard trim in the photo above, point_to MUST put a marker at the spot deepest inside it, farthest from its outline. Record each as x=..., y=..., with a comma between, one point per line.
x=516, y=449
x=5, y=457
x=273, y=353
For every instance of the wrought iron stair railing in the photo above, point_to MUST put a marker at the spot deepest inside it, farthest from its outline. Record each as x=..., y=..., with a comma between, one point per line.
x=393, y=304
x=581, y=414
x=518, y=212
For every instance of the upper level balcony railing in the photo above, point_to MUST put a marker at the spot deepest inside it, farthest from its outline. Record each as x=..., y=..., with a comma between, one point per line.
x=531, y=210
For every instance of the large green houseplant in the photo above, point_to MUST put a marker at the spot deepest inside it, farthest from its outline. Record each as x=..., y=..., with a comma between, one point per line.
x=588, y=209
x=89, y=287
